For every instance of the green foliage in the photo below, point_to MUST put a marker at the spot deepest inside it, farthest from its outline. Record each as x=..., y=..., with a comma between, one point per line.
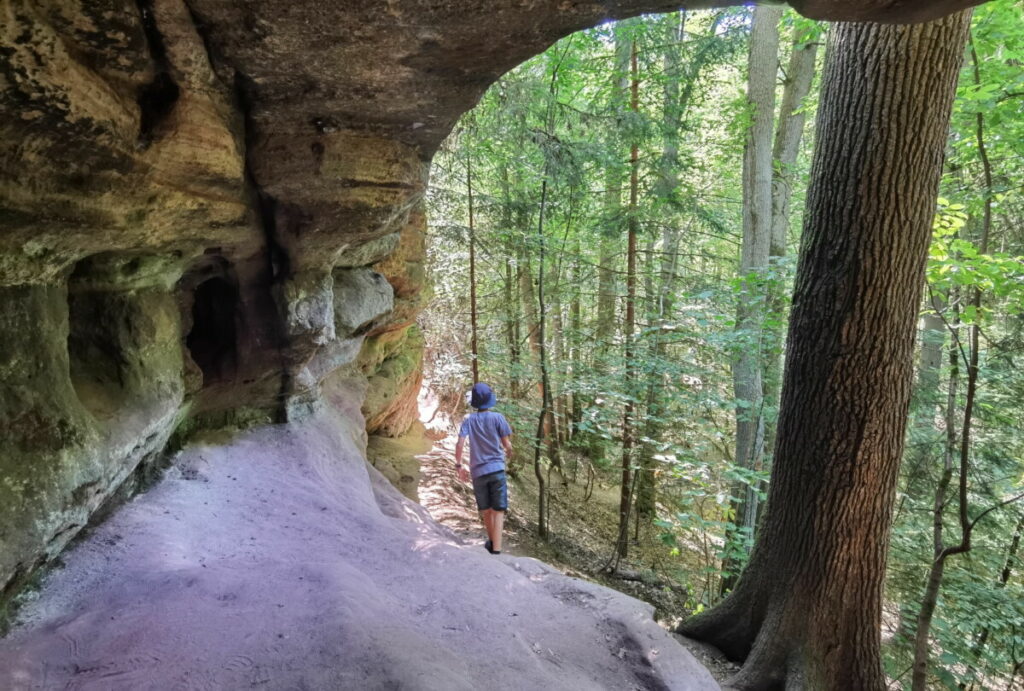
x=974, y=604
x=563, y=118
x=956, y=262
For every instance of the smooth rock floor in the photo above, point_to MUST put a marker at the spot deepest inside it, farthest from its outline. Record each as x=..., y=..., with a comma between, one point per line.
x=280, y=560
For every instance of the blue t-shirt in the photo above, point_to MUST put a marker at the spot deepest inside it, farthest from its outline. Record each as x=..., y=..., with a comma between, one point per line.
x=485, y=430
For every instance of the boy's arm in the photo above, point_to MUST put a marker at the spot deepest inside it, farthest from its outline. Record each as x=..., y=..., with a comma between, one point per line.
x=460, y=469
x=505, y=430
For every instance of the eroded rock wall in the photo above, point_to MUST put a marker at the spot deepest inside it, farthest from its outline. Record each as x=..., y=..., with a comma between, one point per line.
x=208, y=206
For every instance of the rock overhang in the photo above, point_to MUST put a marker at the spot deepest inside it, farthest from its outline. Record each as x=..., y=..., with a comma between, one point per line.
x=150, y=148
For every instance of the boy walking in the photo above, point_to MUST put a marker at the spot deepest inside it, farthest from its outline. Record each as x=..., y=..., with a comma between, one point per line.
x=490, y=438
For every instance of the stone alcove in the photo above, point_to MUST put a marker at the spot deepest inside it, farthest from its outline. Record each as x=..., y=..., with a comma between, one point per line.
x=120, y=315
x=212, y=341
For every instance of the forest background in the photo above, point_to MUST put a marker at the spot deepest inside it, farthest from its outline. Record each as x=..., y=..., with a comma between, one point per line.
x=614, y=232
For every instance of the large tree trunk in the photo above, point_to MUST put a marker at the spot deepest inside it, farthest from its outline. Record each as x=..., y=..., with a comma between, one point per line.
x=748, y=365
x=808, y=606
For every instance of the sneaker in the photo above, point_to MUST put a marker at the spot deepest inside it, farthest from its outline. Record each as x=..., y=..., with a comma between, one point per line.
x=488, y=545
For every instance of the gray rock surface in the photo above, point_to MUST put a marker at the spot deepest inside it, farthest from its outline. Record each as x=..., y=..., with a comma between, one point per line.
x=361, y=297
x=279, y=559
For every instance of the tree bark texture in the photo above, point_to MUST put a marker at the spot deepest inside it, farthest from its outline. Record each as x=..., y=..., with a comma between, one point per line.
x=808, y=605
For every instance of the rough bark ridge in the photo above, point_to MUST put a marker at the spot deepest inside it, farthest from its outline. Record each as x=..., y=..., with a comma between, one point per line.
x=807, y=608
x=232, y=179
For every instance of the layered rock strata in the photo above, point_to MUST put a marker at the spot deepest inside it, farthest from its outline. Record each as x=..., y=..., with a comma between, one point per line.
x=208, y=206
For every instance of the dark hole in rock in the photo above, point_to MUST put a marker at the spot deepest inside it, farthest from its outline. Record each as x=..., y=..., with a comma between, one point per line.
x=156, y=101
x=212, y=342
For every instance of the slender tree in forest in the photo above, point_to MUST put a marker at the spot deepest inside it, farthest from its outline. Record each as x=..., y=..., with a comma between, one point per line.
x=575, y=344
x=610, y=239
x=661, y=293
x=748, y=364
x=808, y=605
x=788, y=135
x=633, y=227
x=922, y=644
x=474, y=352
x=925, y=432
x=513, y=338
x=545, y=406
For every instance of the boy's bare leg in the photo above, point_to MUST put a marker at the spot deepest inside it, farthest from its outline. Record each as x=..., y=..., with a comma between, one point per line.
x=487, y=516
x=498, y=522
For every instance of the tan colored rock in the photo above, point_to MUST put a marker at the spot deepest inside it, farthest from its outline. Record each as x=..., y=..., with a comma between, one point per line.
x=394, y=379
x=104, y=147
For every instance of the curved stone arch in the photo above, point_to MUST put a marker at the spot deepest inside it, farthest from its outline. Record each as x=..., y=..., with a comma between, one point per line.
x=292, y=138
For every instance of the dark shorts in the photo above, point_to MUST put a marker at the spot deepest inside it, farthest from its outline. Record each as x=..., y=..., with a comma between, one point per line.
x=491, y=491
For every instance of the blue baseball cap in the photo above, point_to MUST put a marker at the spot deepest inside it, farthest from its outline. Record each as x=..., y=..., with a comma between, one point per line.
x=482, y=396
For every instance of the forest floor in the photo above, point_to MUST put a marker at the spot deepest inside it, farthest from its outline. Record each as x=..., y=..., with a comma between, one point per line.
x=583, y=532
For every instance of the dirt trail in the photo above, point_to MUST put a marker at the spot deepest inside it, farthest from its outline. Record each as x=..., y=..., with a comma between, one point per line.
x=451, y=502
x=585, y=535
x=280, y=560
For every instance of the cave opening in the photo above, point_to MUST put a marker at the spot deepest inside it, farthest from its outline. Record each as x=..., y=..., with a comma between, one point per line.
x=212, y=341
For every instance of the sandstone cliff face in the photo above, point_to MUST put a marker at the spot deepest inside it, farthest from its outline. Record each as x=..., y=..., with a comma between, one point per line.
x=208, y=206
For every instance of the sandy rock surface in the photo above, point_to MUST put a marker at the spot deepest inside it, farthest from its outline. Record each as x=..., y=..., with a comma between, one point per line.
x=280, y=560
